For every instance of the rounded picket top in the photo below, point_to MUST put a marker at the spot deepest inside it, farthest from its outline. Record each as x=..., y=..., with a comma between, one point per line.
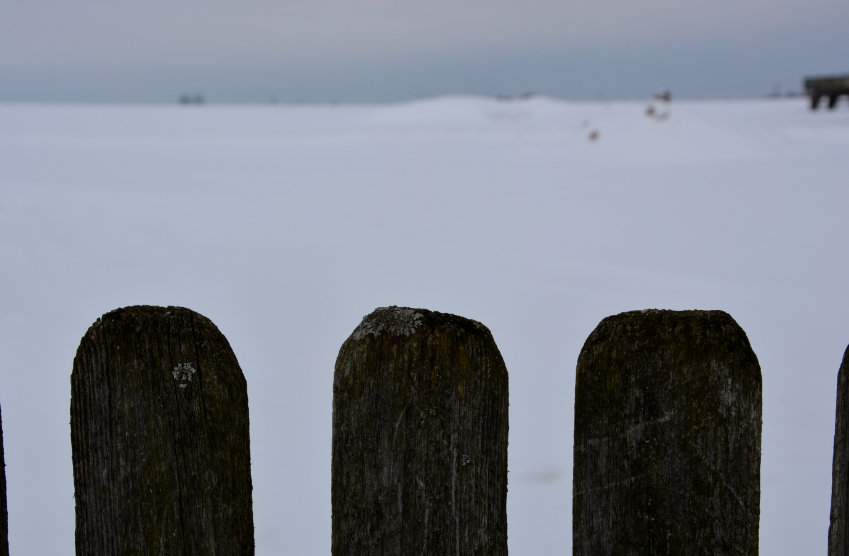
x=667, y=436
x=838, y=530
x=419, y=437
x=160, y=437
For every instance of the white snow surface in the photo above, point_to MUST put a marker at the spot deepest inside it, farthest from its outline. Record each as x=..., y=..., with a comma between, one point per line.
x=286, y=224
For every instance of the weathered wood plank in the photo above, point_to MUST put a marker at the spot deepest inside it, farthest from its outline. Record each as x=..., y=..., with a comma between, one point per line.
x=419, y=438
x=4, y=514
x=838, y=530
x=667, y=437
x=159, y=430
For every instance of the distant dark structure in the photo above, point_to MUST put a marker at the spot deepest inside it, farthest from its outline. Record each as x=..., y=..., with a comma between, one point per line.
x=4, y=514
x=419, y=438
x=667, y=437
x=527, y=95
x=838, y=530
x=830, y=87
x=195, y=99
x=159, y=431
x=663, y=96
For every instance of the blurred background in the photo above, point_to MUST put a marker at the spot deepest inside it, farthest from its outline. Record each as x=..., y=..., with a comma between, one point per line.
x=377, y=50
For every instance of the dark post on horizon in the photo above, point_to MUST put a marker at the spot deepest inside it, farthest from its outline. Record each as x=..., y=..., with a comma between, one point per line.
x=159, y=430
x=419, y=438
x=667, y=443
x=838, y=530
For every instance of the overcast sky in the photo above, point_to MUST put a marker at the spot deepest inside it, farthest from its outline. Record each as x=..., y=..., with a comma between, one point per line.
x=377, y=50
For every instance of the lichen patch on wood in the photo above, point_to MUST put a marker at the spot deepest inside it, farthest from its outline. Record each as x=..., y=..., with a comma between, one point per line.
x=394, y=321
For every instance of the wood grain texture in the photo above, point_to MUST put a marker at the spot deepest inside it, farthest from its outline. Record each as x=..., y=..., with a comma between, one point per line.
x=159, y=430
x=667, y=437
x=838, y=530
x=419, y=438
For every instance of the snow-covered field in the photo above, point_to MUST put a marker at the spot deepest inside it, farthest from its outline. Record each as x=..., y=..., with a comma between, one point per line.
x=286, y=224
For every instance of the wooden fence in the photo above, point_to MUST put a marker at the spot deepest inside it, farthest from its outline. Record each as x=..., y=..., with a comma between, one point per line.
x=666, y=450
